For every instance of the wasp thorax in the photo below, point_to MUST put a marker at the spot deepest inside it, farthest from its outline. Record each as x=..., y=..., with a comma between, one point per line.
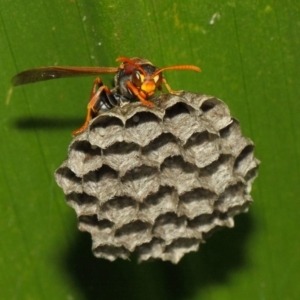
x=158, y=181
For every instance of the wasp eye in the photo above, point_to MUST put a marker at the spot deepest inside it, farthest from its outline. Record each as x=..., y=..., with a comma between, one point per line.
x=137, y=75
x=137, y=78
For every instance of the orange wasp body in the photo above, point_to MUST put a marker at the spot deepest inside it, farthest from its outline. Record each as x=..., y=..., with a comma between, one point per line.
x=135, y=78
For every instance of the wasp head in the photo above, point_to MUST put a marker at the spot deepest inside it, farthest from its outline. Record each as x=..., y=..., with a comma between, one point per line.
x=144, y=76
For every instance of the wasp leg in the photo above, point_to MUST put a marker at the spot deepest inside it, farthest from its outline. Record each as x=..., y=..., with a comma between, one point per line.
x=136, y=92
x=169, y=88
x=160, y=89
x=94, y=98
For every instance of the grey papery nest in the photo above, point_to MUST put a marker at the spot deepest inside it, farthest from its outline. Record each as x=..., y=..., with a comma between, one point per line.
x=157, y=181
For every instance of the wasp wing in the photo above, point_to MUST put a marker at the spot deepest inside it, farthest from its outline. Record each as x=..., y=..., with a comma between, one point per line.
x=47, y=73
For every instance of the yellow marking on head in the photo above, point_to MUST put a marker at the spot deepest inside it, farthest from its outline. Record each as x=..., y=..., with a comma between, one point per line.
x=156, y=78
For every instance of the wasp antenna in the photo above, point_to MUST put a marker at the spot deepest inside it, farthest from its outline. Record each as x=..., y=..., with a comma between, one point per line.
x=124, y=59
x=180, y=67
x=127, y=60
x=131, y=62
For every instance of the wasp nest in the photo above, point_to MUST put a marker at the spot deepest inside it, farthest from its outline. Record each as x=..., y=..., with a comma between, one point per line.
x=157, y=181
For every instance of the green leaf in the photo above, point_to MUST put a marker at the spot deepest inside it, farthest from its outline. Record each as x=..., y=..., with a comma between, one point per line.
x=249, y=54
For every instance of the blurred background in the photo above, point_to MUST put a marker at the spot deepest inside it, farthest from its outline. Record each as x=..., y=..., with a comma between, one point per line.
x=249, y=55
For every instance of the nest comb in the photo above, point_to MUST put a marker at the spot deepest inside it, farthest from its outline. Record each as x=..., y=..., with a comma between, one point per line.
x=158, y=180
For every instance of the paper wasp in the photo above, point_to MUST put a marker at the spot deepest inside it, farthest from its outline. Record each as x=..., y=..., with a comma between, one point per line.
x=135, y=78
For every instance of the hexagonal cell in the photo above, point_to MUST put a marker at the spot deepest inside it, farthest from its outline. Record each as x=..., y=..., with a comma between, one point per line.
x=156, y=204
x=83, y=158
x=120, y=210
x=111, y=252
x=196, y=202
x=219, y=174
x=203, y=223
x=175, y=172
x=216, y=113
x=91, y=220
x=102, y=231
x=102, y=183
x=233, y=195
x=150, y=250
x=133, y=234
x=178, y=248
x=122, y=157
x=244, y=161
x=180, y=122
x=170, y=227
x=139, y=182
x=232, y=140
x=160, y=148
x=82, y=203
x=142, y=128
x=105, y=131
x=201, y=149
x=68, y=180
